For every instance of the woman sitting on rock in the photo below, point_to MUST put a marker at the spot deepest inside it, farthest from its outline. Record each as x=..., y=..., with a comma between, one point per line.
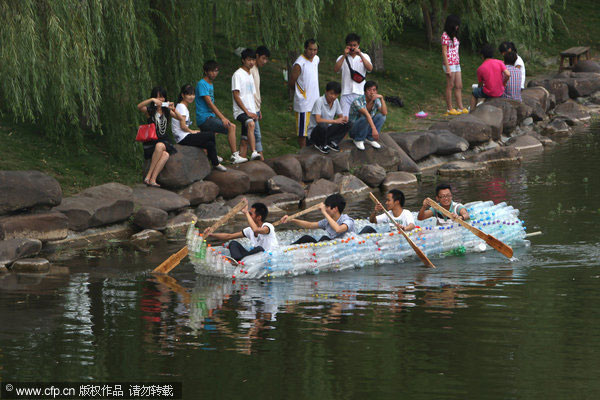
x=158, y=111
x=188, y=137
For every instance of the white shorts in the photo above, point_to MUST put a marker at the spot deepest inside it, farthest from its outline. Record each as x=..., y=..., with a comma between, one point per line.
x=453, y=68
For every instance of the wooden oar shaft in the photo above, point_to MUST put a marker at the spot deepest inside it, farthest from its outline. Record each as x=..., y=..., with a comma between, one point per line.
x=166, y=266
x=412, y=244
x=300, y=213
x=501, y=247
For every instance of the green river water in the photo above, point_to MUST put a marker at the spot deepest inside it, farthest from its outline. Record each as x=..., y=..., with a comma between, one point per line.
x=477, y=327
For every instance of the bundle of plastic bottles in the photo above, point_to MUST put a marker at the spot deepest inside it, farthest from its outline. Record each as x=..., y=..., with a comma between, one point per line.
x=357, y=251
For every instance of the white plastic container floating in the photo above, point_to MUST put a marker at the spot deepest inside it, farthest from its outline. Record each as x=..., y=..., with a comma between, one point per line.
x=357, y=251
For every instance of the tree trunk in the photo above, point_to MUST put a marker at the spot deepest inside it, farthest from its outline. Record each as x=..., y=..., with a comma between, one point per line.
x=377, y=56
x=427, y=21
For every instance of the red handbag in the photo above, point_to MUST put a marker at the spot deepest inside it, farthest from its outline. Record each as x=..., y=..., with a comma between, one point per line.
x=146, y=133
x=355, y=75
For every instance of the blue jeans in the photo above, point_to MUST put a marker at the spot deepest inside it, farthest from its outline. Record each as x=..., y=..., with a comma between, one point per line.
x=361, y=129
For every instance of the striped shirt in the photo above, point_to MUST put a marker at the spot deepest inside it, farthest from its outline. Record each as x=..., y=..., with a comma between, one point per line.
x=513, y=87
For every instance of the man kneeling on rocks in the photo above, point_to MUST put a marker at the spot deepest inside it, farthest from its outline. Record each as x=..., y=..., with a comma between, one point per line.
x=336, y=224
x=261, y=234
x=328, y=126
x=367, y=114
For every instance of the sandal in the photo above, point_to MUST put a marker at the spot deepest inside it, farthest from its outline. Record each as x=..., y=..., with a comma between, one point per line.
x=146, y=181
x=155, y=185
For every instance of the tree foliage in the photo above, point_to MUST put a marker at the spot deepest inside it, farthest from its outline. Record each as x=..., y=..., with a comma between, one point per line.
x=76, y=68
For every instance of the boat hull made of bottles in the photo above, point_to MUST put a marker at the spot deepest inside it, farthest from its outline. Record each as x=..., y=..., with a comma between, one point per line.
x=357, y=251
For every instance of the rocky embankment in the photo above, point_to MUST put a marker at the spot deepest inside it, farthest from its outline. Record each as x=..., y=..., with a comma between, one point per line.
x=36, y=219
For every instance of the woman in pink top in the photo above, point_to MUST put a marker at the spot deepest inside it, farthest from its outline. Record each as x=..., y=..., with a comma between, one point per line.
x=492, y=75
x=451, y=65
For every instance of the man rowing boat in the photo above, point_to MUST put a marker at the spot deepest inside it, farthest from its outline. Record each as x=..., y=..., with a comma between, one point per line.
x=444, y=198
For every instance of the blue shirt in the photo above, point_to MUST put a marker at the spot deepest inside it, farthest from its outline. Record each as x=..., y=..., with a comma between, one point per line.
x=343, y=219
x=361, y=102
x=203, y=88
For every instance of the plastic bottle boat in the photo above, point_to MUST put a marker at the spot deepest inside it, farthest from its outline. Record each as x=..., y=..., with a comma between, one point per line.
x=357, y=251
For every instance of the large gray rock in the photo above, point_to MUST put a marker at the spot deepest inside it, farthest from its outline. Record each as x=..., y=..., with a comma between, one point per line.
x=27, y=189
x=183, y=168
x=150, y=218
x=44, y=226
x=417, y=144
x=98, y=206
x=447, y=142
x=259, y=174
x=283, y=184
x=557, y=87
x=397, y=179
x=572, y=112
x=587, y=66
x=499, y=155
x=146, y=237
x=371, y=174
x=282, y=200
x=493, y=116
x=462, y=168
x=526, y=143
x=342, y=160
x=200, y=192
x=350, y=184
x=231, y=183
x=557, y=128
x=509, y=113
x=13, y=249
x=314, y=166
x=582, y=84
x=319, y=190
x=31, y=266
x=159, y=198
x=537, y=95
x=468, y=127
x=212, y=211
x=286, y=165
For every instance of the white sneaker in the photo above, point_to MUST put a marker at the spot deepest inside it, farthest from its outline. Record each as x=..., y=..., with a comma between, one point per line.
x=359, y=144
x=237, y=159
x=255, y=155
x=220, y=159
x=373, y=143
x=220, y=168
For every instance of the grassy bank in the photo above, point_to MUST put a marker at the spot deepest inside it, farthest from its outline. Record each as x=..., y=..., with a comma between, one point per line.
x=412, y=71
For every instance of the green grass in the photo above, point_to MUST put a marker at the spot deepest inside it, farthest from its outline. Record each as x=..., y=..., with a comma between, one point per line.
x=412, y=71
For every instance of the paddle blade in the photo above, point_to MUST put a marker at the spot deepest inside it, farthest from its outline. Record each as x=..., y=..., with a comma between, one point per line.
x=171, y=262
x=501, y=247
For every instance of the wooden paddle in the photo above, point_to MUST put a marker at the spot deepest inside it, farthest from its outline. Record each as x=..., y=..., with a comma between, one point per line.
x=412, y=244
x=298, y=214
x=176, y=258
x=504, y=249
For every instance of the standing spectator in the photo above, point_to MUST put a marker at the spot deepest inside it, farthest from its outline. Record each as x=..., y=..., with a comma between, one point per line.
x=188, y=137
x=367, y=115
x=326, y=131
x=492, y=75
x=305, y=81
x=506, y=47
x=360, y=62
x=262, y=58
x=513, y=87
x=158, y=110
x=208, y=116
x=244, y=105
x=450, y=44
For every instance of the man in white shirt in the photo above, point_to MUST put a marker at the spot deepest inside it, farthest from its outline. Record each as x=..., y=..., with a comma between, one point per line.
x=327, y=125
x=506, y=47
x=360, y=62
x=244, y=105
x=261, y=234
x=304, y=80
x=394, y=202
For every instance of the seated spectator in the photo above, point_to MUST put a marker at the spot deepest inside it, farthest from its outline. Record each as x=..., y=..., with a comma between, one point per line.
x=188, y=137
x=157, y=110
x=325, y=131
x=244, y=105
x=367, y=115
x=506, y=47
x=513, y=87
x=492, y=75
x=208, y=116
